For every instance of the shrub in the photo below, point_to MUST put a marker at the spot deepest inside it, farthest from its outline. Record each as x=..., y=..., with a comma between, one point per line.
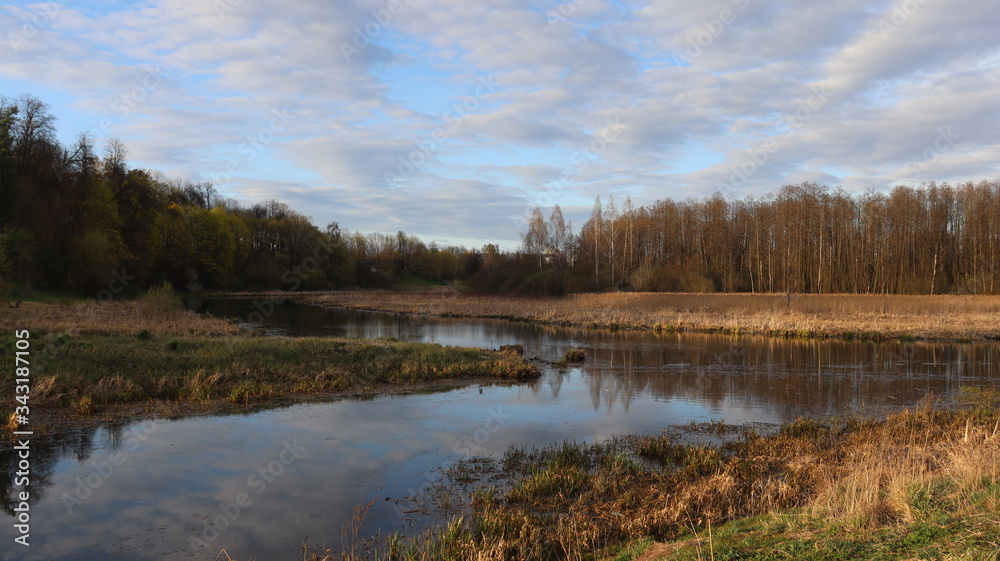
x=160, y=299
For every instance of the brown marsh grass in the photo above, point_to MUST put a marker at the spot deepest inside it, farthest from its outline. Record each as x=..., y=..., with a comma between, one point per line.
x=839, y=315
x=923, y=480
x=127, y=317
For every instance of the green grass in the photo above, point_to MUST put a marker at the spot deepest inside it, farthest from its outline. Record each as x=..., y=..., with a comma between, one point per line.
x=796, y=535
x=117, y=369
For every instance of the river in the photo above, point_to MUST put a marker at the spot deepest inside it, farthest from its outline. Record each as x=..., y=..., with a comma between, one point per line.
x=259, y=484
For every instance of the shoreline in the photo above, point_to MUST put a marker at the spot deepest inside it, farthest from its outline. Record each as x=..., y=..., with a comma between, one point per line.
x=51, y=419
x=108, y=363
x=924, y=479
x=849, y=317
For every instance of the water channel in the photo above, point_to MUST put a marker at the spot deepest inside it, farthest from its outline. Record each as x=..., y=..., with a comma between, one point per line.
x=259, y=484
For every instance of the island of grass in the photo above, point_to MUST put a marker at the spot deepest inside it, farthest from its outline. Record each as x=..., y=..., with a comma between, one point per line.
x=97, y=361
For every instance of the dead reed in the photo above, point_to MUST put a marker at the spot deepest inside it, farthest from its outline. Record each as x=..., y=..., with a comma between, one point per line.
x=924, y=480
x=810, y=315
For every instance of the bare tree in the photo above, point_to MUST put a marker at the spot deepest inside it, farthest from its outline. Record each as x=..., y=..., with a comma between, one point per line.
x=536, y=239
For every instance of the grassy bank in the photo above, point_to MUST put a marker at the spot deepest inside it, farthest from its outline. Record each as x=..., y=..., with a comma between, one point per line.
x=837, y=315
x=919, y=484
x=90, y=358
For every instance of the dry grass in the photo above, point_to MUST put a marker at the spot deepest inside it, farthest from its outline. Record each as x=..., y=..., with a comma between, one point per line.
x=841, y=315
x=114, y=318
x=895, y=474
x=90, y=372
x=923, y=478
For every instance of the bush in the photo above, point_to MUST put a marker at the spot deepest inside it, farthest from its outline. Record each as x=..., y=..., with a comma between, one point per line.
x=161, y=298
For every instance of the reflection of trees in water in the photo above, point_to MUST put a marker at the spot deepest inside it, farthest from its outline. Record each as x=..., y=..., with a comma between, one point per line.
x=555, y=381
x=619, y=379
x=789, y=377
x=76, y=443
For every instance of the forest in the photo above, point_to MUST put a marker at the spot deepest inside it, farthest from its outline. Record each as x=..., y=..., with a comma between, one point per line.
x=77, y=219
x=73, y=219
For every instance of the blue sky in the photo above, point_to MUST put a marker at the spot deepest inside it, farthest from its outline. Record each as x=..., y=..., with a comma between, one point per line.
x=451, y=120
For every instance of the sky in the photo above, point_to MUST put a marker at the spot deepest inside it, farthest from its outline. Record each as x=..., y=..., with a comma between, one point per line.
x=452, y=120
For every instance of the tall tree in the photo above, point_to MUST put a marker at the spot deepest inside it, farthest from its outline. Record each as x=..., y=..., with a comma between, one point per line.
x=559, y=235
x=536, y=240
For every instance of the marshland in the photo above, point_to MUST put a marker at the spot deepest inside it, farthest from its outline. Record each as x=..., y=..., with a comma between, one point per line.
x=848, y=316
x=596, y=444
x=101, y=360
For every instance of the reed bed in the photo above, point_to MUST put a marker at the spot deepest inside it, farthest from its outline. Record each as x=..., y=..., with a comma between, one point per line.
x=837, y=315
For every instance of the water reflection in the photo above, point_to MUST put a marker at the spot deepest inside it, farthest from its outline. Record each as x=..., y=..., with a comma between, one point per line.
x=778, y=378
x=177, y=477
x=790, y=378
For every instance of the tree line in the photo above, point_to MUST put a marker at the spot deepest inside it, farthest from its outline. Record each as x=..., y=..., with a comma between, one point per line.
x=76, y=220
x=805, y=238
x=73, y=219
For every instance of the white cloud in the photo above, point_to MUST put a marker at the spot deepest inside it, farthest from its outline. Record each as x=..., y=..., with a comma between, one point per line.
x=891, y=89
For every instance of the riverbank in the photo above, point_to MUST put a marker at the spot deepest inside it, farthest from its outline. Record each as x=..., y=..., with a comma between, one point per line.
x=920, y=483
x=849, y=316
x=91, y=362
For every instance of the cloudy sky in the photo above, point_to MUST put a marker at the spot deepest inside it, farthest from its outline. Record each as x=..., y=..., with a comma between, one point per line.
x=451, y=119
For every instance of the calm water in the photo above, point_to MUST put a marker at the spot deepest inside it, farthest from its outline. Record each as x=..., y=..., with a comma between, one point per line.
x=260, y=484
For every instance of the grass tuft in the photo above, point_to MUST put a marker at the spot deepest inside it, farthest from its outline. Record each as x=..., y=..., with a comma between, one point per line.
x=573, y=355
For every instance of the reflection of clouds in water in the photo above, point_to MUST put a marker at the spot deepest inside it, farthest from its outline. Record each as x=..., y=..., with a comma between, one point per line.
x=197, y=464
x=391, y=445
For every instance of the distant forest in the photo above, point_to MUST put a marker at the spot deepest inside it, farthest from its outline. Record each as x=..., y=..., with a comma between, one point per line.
x=77, y=220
